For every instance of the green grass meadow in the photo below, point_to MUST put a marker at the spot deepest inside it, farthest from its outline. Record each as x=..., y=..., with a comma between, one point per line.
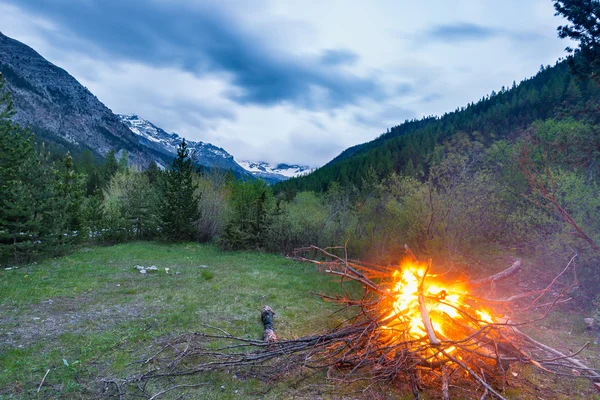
x=89, y=315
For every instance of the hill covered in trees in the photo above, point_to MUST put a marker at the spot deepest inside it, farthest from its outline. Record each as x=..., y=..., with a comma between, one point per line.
x=409, y=148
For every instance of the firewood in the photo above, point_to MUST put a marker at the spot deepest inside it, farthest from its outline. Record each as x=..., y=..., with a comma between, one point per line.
x=267, y=315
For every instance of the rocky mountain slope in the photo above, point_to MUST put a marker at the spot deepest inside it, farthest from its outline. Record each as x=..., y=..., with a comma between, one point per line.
x=157, y=139
x=58, y=108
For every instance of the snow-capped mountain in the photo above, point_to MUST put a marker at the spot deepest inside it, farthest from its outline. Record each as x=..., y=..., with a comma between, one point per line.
x=58, y=109
x=274, y=173
x=166, y=143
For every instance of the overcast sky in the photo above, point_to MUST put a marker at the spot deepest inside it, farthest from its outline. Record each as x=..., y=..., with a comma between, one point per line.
x=288, y=81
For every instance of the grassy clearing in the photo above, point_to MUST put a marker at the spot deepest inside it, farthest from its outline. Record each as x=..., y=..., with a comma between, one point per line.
x=89, y=315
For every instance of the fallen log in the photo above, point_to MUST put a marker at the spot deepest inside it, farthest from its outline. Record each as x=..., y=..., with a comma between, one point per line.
x=267, y=315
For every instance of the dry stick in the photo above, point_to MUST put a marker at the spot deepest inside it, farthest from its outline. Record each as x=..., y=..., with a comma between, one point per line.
x=120, y=393
x=358, y=279
x=177, y=387
x=551, y=283
x=508, y=299
x=409, y=251
x=513, y=269
x=473, y=374
x=445, y=391
x=42, y=382
x=549, y=349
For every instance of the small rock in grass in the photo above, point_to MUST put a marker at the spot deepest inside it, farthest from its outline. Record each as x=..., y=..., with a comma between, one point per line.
x=152, y=268
x=142, y=271
x=202, y=266
x=139, y=267
x=177, y=273
x=118, y=285
x=589, y=322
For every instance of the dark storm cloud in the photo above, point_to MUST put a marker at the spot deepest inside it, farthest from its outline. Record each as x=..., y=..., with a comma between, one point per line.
x=202, y=40
x=461, y=32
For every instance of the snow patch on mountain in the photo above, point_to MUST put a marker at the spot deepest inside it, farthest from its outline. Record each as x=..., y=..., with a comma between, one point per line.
x=207, y=154
x=286, y=171
x=159, y=140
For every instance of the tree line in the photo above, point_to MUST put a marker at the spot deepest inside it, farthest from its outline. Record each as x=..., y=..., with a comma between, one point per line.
x=480, y=201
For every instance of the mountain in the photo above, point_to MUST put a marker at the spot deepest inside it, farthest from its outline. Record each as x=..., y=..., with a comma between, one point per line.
x=62, y=112
x=157, y=139
x=65, y=114
x=273, y=174
x=409, y=148
x=58, y=109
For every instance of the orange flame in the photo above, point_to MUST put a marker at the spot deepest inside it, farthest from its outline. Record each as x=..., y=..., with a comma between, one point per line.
x=402, y=316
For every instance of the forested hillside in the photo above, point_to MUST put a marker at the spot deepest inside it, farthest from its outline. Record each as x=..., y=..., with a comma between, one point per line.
x=409, y=148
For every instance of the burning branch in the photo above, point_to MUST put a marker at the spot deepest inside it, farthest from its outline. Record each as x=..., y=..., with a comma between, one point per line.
x=423, y=310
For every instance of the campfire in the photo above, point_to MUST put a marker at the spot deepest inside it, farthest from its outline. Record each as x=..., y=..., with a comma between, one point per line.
x=413, y=327
x=420, y=307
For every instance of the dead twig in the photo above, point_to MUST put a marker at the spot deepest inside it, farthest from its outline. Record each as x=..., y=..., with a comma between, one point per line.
x=43, y=379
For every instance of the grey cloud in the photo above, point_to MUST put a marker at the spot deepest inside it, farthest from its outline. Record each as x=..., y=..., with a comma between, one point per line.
x=207, y=39
x=461, y=32
x=467, y=31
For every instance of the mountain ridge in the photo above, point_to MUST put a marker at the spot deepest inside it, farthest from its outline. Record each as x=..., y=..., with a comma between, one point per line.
x=60, y=110
x=57, y=108
x=156, y=138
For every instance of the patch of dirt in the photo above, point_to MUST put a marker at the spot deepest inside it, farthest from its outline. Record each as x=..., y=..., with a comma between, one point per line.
x=49, y=319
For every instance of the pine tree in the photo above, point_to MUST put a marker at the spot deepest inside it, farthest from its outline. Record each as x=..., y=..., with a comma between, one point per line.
x=16, y=203
x=93, y=215
x=70, y=189
x=6, y=104
x=584, y=16
x=152, y=172
x=179, y=208
x=123, y=161
x=109, y=168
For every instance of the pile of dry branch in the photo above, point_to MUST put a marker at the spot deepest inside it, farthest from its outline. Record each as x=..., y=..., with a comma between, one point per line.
x=411, y=326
